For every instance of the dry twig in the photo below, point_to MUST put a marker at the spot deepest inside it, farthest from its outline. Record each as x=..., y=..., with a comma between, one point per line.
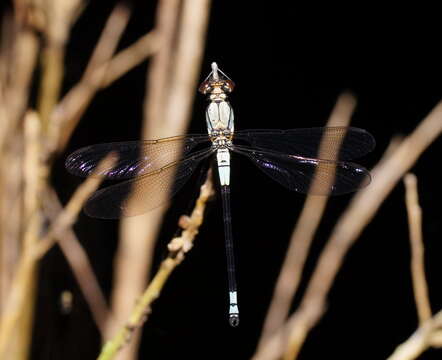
x=59, y=16
x=178, y=247
x=361, y=210
x=130, y=57
x=171, y=82
x=67, y=217
x=429, y=328
x=68, y=112
x=428, y=334
x=417, y=249
x=79, y=263
x=290, y=274
x=22, y=281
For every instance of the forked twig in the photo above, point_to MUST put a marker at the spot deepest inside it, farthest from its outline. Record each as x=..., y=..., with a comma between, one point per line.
x=78, y=261
x=427, y=334
x=67, y=113
x=127, y=59
x=178, y=247
x=67, y=217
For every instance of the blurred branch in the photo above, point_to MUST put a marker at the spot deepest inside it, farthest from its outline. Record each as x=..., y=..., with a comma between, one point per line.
x=159, y=74
x=178, y=247
x=67, y=217
x=59, y=16
x=137, y=235
x=68, y=112
x=32, y=176
x=170, y=89
x=290, y=338
x=79, y=263
x=417, y=249
x=18, y=60
x=130, y=57
x=303, y=233
x=22, y=281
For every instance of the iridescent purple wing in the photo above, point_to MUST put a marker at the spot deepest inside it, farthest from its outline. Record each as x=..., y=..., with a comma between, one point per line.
x=308, y=175
x=146, y=192
x=135, y=158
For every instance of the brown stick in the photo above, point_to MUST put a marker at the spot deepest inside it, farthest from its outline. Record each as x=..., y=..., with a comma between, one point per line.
x=359, y=213
x=178, y=247
x=78, y=261
x=67, y=217
x=130, y=57
x=170, y=89
x=68, y=112
x=22, y=281
x=302, y=236
x=417, y=249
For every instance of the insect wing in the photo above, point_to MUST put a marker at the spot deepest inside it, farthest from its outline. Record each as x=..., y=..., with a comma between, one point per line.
x=134, y=158
x=144, y=193
x=327, y=143
x=308, y=175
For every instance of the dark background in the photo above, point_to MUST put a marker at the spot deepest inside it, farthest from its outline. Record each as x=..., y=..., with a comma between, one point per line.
x=289, y=65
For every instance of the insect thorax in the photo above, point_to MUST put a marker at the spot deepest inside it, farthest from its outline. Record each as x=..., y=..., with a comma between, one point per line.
x=219, y=118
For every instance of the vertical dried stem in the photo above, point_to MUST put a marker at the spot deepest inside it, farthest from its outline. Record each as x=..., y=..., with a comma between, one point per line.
x=24, y=282
x=171, y=85
x=137, y=234
x=32, y=182
x=303, y=233
x=59, y=17
x=417, y=249
x=20, y=62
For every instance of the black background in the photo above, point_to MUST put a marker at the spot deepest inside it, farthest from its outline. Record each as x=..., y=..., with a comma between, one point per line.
x=289, y=65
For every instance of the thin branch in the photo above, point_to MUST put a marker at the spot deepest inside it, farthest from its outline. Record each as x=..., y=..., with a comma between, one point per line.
x=428, y=334
x=31, y=254
x=180, y=29
x=359, y=213
x=68, y=112
x=67, y=217
x=79, y=263
x=32, y=171
x=417, y=249
x=302, y=236
x=19, y=61
x=178, y=247
x=159, y=74
x=132, y=56
x=59, y=17
x=187, y=64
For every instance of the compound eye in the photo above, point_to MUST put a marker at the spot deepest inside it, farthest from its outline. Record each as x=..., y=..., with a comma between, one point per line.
x=205, y=87
x=228, y=86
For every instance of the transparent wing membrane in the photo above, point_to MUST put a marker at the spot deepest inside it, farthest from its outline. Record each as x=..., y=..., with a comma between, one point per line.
x=338, y=143
x=308, y=175
x=144, y=193
x=135, y=158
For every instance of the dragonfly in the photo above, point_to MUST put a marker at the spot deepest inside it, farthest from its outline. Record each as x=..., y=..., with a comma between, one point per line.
x=313, y=161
